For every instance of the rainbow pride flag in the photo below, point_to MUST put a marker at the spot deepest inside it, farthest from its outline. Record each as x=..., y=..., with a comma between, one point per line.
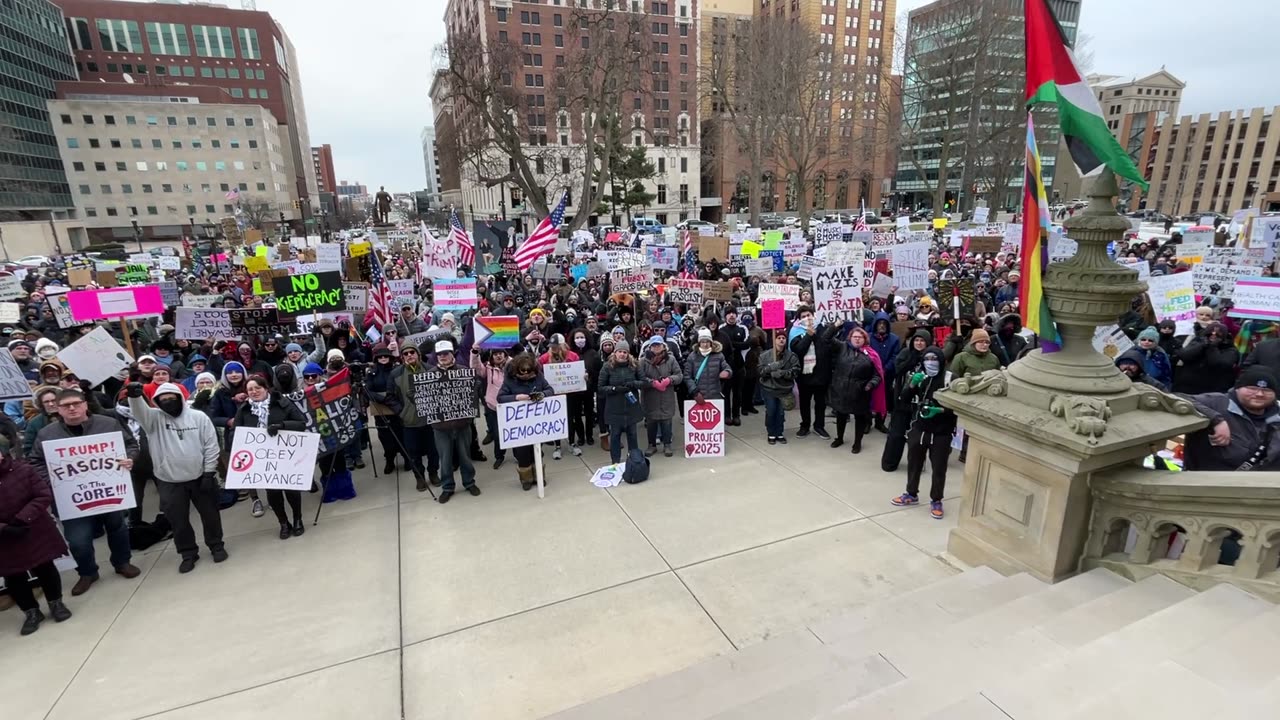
x=1032, y=303
x=496, y=332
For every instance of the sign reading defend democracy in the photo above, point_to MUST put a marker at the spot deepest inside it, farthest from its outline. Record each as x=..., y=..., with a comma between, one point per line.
x=86, y=476
x=532, y=423
x=442, y=395
x=837, y=293
x=260, y=461
x=309, y=292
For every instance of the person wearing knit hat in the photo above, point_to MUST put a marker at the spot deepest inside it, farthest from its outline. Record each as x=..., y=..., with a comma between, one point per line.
x=419, y=440
x=1156, y=362
x=621, y=383
x=1240, y=432
x=976, y=357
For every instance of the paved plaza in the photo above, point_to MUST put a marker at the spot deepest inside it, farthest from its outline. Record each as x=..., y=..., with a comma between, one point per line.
x=497, y=607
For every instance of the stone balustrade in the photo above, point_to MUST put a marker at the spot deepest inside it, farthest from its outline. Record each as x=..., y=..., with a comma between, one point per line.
x=1137, y=512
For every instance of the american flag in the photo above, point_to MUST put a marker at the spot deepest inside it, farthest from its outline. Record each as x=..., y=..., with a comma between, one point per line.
x=458, y=236
x=379, y=312
x=233, y=194
x=861, y=225
x=542, y=241
x=686, y=251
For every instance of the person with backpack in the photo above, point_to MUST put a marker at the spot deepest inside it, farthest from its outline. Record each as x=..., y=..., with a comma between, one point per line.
x=621, y=384
x=662, y=373
x=778, y=370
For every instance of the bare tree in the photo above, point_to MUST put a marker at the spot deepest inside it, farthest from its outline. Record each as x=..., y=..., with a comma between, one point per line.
x=258, y=211
x=800, y=83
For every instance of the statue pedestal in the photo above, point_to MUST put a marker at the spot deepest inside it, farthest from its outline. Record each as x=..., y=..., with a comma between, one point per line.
x=1026, y=502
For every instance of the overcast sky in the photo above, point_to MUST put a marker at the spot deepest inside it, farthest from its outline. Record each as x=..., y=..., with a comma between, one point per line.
x=366, y=67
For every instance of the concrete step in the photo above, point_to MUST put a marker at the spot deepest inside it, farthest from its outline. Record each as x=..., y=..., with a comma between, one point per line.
x=813, y=695
x=1055, y=689
x=1093, y=620
x=972, y=707
x=1241, y=660
x=1159, y=692
x=920, y=602
x=702, y=690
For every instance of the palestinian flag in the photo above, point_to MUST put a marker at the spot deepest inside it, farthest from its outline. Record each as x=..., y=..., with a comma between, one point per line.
x=1052, y=77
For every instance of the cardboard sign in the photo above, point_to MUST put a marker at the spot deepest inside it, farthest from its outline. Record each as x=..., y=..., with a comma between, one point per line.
x=1257, y=298
x=566, y=377
x=718, y=290
x=86, y=476
x=531, y=423
x=685, y=290
x=837, y=294
x=788, y=294
x=455, y=294
x=704, y=429
x=259, y=461
x=95, y=357
x=773, y=314
x=631, y=280
x=309, y=292
x=713, y=248
x=985, y=243
x=79, y=277
x=1173, y=297
x=91, y=305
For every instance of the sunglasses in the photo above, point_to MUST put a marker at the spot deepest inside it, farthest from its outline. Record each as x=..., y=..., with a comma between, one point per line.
x=408, y=352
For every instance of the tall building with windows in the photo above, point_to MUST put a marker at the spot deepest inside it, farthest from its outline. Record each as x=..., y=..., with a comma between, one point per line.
x=326, y=178
x=35, y=57
x=169, y=46
x=429, y=164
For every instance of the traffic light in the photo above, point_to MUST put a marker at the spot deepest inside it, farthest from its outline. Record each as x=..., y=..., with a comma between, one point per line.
x=297, y=204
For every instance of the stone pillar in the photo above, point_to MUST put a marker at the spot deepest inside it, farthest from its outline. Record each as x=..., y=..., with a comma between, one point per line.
x=1038, y=430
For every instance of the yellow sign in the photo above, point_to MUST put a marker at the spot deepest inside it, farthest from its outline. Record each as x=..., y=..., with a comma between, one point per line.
x=260, y=251
x=751, y=249
x=360, y=248
x=257, y=288
x=256, y=264
x=773, y=240
x=939, y=223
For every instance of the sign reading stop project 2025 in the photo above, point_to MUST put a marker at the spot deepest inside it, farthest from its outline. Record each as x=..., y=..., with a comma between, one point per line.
x=86, y=476
x=704, y=429
x=309, y=292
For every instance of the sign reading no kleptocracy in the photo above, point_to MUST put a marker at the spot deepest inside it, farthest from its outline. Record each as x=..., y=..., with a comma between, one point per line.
x=86, y=476
x=309, y=292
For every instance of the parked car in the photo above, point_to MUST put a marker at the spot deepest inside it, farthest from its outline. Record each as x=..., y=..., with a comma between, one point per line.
x=702, y=226
x=643, y=225
x=35, y=261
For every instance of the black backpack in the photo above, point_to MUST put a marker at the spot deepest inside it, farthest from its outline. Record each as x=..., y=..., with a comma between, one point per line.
x=637, y=467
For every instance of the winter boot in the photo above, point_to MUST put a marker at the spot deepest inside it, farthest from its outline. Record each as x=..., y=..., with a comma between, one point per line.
x=527, y=479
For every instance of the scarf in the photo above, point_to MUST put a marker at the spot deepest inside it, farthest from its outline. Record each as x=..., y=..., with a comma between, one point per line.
x=261, y=410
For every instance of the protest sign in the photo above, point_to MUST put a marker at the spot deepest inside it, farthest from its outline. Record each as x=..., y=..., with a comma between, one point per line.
x=13, y=384
x=455, y=294
x=438, y=261
x=609, y=475
x=881, y=286
x=758, y=266
x=10, y=312
x=309, y=292
x=401, y=292
x=1235, y=256
x=307, y=323
x=356, y=249
x=329, y=256
x=203, y=324
x=247, y=322
x=773, y=314
x=718, y=290
x=779, y=262
x=704, y=429
x=621, y=258
x=631, y=280
x=808, y=264
x=837, y=293
x=956, y=299
x=357, y=295
x=260, y=461
x=1111, y=341
x=825, y=233
x=940, y=223
x=1257, y=298
x=663, y=258
x=1173, y=297
x=79, y=277
x=532, y=423
x=566, y=377
x=985, y=243
x=685, y=290
x=441, y=395
x=793, y=246
x=910, y=266
x=95, y=357
x=61, y=310
x=90, y=305
x=133, y=274
x=844, y=253
x=1061, y=248
x=980, y=214
x=169, y=293
x=496, y=332
x=713, y=248
x=86, y=476
x=1142, y=266
x=330, y=410
x=788, y=294
x=1220, y=280
x=200, y=301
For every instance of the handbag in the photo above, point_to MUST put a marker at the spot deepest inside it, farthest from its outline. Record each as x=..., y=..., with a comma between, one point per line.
x=788, y=402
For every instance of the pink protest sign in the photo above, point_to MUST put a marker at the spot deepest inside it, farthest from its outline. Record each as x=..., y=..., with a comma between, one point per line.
x=773, y=314
x=90, y=305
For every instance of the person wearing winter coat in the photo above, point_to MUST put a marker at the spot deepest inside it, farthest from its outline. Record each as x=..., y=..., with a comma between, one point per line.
x=930, y=433
x=621, y=384
x=757, y=341
x=778, y=370
x=271, y=411
x=976, y=358
x=705, y=368
x=29, y=541
x=581, y=342
x=417, y=435
x=1156, y=362
x=735, y=340
x=1209, y=362
x=1130, y=363
x=490, y=367
x=1243, y=422
x=854, y=375
x=907, y=363
x=809, y=341
x=662, y=375
x=524, y=383
x=887, y=346
x=558, y=352
x=1007, y=345
x=384, y=404
x=1170, y=342
x=594, y=365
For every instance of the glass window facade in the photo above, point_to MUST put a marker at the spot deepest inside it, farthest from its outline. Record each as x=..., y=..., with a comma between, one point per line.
x=249, y=49
x=119, y=36
x=213, y=41
x=168, y=39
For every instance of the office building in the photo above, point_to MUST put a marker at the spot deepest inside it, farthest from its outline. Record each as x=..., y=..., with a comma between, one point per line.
x=429, y=164
x=169, y=45
x=322, y=160
x=448, y=162
x=161, y=161
x=351, y=190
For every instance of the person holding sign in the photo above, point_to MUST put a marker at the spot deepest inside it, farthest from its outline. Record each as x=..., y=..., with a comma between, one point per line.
x=524, y=383
x=76, y=422
x=29, y=541
x=184, y=452
x=411, y=386
x=559, y=352
x=778, y=370
x=453, y=437
x=270, y=411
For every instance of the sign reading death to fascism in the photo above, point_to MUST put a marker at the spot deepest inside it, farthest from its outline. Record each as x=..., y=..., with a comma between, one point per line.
x=685, y=290
x=86, y=476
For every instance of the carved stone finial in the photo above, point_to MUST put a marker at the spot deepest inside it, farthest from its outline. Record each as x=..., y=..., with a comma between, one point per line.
x=1153, y=399
x=992, y=381
x=1084, y=415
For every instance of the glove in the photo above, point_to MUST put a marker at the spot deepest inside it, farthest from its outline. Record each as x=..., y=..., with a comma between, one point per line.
x=133, y=389
x=656, y=385
x=274, y=429
x=14, y=530
x=930, y=412
x=209, y=481
x=916, y=379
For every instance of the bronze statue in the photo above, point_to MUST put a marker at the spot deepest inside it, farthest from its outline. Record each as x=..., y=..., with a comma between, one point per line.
x=381, y=206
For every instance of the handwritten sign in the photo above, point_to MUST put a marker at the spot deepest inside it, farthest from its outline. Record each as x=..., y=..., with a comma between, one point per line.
x=455, y=294
x=260, y=461
x=13, y=384
x=685, y=290
x=11, y=288
x=566, y=377
x=86, y=476
x=1256, y=297
x=203, y=324
x=530, y=423
x=837, y=293
x=1173, y=297
x=357, y=294
x=663, y=258
x=788, y=294
x=1219, y=279
x=631, y=280
x=910, y=266
x=95, y=357
x=309, y=292
x=704, y=429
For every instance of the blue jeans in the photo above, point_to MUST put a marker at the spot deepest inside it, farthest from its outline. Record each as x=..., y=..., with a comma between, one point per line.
x=615, y=440
x=659, y=428
x=774, y=416
x=79, y=532
x=454, y=447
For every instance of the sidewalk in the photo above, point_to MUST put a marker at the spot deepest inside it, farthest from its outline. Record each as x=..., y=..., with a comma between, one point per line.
x=493, y=607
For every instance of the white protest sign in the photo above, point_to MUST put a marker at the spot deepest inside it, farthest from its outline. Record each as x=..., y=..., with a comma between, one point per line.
x=95, y=357
x=307, y=323
x=1206, y=276
x=631, y=280
x=531, y=423
x=621, y=258
x=13, y=384
x=329, y=256
x=357, y=295
x=1142, y=266
x=757, y=266
x=793, y=246
x=1257, y=298
x=882, y=286
x=663, y=258
x=1012, y=238
x=401, y=291
x=1195, y=243
x=788, y=294
x=438, y=262
x=1061, y=248
x=808, y=264
x=260, y=461
x=609, y=475
x=843, y=253
x=1173, y=297
x=86, y=476
x=704, y=429
x=685, y=290
x=903, y=223
x=199, y=301
x=910, y=265
x=454, y=294
x=10, y=312
x=980, y=214
x=837, y=293
x=11, y=288
x=1111, y=341
x=203, y=324
x=566, y=377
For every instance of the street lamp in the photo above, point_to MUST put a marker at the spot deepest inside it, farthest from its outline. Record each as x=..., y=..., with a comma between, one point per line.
x=210, y=234
x=137, y=234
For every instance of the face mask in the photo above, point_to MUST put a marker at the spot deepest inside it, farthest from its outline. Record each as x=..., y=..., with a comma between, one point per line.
x=931, y=367
x=171, y=404
x=580, y=342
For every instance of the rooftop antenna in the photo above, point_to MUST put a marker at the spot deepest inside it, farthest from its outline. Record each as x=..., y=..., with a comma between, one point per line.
x=248, y=4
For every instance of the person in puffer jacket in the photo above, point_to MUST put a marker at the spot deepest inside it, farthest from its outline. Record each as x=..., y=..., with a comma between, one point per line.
x=705, y=368
x=930, y=434
x=1156, y=362
x=887, y=345
x=491, y=367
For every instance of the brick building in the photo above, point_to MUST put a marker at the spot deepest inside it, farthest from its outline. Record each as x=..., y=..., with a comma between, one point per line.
x=326, y=178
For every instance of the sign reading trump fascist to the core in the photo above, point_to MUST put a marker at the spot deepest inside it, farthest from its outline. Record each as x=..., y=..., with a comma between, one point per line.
x=306, y=293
